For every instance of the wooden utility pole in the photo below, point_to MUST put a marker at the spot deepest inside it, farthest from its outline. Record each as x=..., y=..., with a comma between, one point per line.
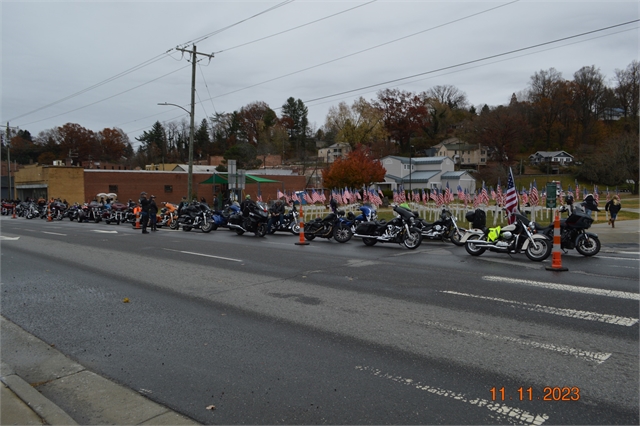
x=194, y=54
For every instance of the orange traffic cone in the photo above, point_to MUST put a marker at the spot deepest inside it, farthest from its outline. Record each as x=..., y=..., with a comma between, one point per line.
x=49, y=218
x=138, y=221
x=302, y=241
x=556, y=260
x=13, y=216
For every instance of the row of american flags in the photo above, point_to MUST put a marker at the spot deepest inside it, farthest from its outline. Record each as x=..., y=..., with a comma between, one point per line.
x=509, y=199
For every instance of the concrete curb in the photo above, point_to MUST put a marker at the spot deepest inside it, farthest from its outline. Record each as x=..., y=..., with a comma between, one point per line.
x=47, y=410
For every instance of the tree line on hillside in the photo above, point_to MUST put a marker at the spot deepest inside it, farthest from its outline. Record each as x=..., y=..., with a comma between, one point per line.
x=592, y=117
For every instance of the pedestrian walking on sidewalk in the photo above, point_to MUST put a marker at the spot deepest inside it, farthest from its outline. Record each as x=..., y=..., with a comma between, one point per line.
x=613, y=207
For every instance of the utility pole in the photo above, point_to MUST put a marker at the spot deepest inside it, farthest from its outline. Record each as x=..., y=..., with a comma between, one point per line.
x=194, y=54
x=8, y=136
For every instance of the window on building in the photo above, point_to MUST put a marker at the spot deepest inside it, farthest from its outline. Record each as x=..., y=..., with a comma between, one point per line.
x=482, y=160
x=168, y=188
x=113, y=188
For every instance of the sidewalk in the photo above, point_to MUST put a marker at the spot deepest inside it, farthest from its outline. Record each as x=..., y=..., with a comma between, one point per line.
x=42, y=386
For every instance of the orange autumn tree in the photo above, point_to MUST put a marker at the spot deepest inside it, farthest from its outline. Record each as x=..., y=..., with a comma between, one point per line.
x=357, y=169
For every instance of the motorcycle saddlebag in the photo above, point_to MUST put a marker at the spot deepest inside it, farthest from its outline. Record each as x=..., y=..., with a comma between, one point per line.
x=366, y=228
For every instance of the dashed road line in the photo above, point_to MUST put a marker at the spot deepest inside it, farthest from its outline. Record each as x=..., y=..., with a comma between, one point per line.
x=571, y=313
x=205, y=255
x=506, y=414
x=53, y=233
x=565, y=287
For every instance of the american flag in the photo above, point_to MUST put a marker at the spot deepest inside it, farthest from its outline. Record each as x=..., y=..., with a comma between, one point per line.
x=525, y=196
x=440, y=198
x=294, y=196
x=434, y=195
x=259, y=199
x=448, y=196
x=315, y=197
x=493, y=193
x=323, y=199
x=499, y=196
x=346, y=196
x=577, y=190
x=476, y=200
x=533, y=196
x=596, y=195
x=460, y=193
x=358, y=196
x=416, y=196
x=467, y=198
x=511, y=201
x=608, y=195
x=279, y=194
x=308, y=198
x=484, y=195
x=381, y=196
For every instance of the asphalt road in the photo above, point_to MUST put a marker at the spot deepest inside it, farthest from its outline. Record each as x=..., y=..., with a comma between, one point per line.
x=274, y=333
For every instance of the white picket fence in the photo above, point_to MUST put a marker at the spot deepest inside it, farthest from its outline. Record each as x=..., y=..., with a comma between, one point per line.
x=431, y=212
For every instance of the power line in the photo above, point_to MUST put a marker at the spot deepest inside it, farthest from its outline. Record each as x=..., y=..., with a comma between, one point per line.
x=296, y=28
x=368, y=49
x=473, y=61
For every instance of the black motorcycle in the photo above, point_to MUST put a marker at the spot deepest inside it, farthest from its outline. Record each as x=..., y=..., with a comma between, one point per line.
x=289, y=223
x=72, y=212
x=252, y=218
x=332, y=225
x=116, y=213
x=400, y=230
x=196, y=215
x=91, y=212
x=573, y=233
x=445, y=228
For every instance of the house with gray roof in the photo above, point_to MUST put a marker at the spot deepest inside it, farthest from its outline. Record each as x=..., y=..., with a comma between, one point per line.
x=561, y=158
x=424, y=173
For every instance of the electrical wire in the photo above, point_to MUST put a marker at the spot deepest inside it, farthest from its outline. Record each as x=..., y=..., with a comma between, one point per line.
x=473, y=61
x=295, y=28
x=368, y=49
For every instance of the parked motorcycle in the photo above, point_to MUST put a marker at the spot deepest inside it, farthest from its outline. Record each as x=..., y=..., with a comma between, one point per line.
x=7, y=208
x=221, y=218
x=117, y=212
x=290, y=223
x=573, y=232
x=253, y=218
x=90, y=212
x=72, y=212
x=400, y=230
x=445, y=228
x=196, y=215
x=517, y=237
x=56, y=210
x=331, y=226
x=167, y=215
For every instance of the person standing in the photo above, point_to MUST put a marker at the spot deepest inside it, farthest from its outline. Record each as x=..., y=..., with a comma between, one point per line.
x=144, y=211
x=613, y=206
x=153, y=213
x=590, y=204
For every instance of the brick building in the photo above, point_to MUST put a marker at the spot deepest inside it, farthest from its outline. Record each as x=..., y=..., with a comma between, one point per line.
x=76, y=184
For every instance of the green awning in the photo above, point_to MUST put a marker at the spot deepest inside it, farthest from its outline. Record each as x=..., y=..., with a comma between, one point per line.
x=220, y=178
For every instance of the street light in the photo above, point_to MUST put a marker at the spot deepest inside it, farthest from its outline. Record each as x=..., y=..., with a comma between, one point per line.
x=190, y=174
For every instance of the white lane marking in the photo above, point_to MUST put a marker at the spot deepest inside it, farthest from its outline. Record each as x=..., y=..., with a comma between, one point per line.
x=571, y=313
x=104, y=232
x=54, y=233
x=565, y=287
x=629, y=252
x=529, y=265
x=3, y=238
x=617, y=258
x=504, y=412
x=597, y=357
x=205, y=255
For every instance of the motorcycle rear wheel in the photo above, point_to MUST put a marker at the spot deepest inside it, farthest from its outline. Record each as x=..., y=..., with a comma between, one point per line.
x=262, y=230
x=186, y=228
x=369, y=241
x=539, y=250
x=587, y=246
x=309, y=237
x=471, y=248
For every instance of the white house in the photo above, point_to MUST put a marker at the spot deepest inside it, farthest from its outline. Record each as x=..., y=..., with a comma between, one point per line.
x=424, y=173
x=561, y=158
x=337, y=150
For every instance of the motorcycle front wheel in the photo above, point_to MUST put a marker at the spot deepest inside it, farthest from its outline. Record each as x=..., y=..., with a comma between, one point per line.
x=207, y=227
x=412, y=240
x=309, y=237
x=471, y=248
x=456, y=236
x=174, y=225
x=239, y=231
x=539, y=250
x=587, y=245
x=295, y=229
x=342, y=233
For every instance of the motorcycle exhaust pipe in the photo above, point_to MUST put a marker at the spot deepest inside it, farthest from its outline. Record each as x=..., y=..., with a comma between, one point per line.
x=232, y=226
x=377, y=237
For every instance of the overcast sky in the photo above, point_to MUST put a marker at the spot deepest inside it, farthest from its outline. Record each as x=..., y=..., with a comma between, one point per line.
x=108, y=64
